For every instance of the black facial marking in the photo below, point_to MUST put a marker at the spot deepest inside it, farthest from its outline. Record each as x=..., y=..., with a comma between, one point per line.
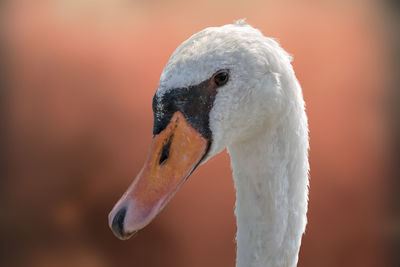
x=195, y=103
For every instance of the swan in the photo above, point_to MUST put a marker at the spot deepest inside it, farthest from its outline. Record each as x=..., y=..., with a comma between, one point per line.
x=229, y=87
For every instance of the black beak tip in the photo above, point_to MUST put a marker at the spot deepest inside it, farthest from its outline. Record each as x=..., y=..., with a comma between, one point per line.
x=117, y=225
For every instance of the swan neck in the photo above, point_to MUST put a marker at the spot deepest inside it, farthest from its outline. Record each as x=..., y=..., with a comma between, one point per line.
x=271, y=181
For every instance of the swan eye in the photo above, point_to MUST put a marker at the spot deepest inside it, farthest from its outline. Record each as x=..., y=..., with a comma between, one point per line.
x=221, y=78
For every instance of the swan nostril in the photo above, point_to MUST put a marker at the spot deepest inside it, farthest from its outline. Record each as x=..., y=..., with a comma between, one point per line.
x=165, y=151
x=118, y=223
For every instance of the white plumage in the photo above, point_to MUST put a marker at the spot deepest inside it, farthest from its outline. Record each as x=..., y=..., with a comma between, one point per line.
x=251, y=104
x=260, y=117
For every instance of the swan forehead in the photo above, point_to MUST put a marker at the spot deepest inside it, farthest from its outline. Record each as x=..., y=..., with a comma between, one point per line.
x=206, y=52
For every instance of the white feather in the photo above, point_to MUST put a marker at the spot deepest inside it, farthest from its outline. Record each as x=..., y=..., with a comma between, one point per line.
x=259, y=115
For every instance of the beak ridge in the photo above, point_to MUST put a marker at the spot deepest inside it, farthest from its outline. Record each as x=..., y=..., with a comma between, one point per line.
x=174, y=153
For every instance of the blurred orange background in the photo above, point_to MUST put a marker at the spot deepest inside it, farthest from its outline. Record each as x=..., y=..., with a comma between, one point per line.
x=80, y=76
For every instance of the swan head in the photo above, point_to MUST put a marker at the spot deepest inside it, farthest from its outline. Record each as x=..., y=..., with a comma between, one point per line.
x=221, y=86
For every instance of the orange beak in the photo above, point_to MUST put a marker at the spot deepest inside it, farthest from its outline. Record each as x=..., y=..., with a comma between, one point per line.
x=174, y=153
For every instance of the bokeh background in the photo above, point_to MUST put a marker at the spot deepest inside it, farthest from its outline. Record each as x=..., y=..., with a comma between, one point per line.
x=77, y=80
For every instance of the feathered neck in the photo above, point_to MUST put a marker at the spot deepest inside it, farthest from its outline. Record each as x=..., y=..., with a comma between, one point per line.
x=270, y=173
